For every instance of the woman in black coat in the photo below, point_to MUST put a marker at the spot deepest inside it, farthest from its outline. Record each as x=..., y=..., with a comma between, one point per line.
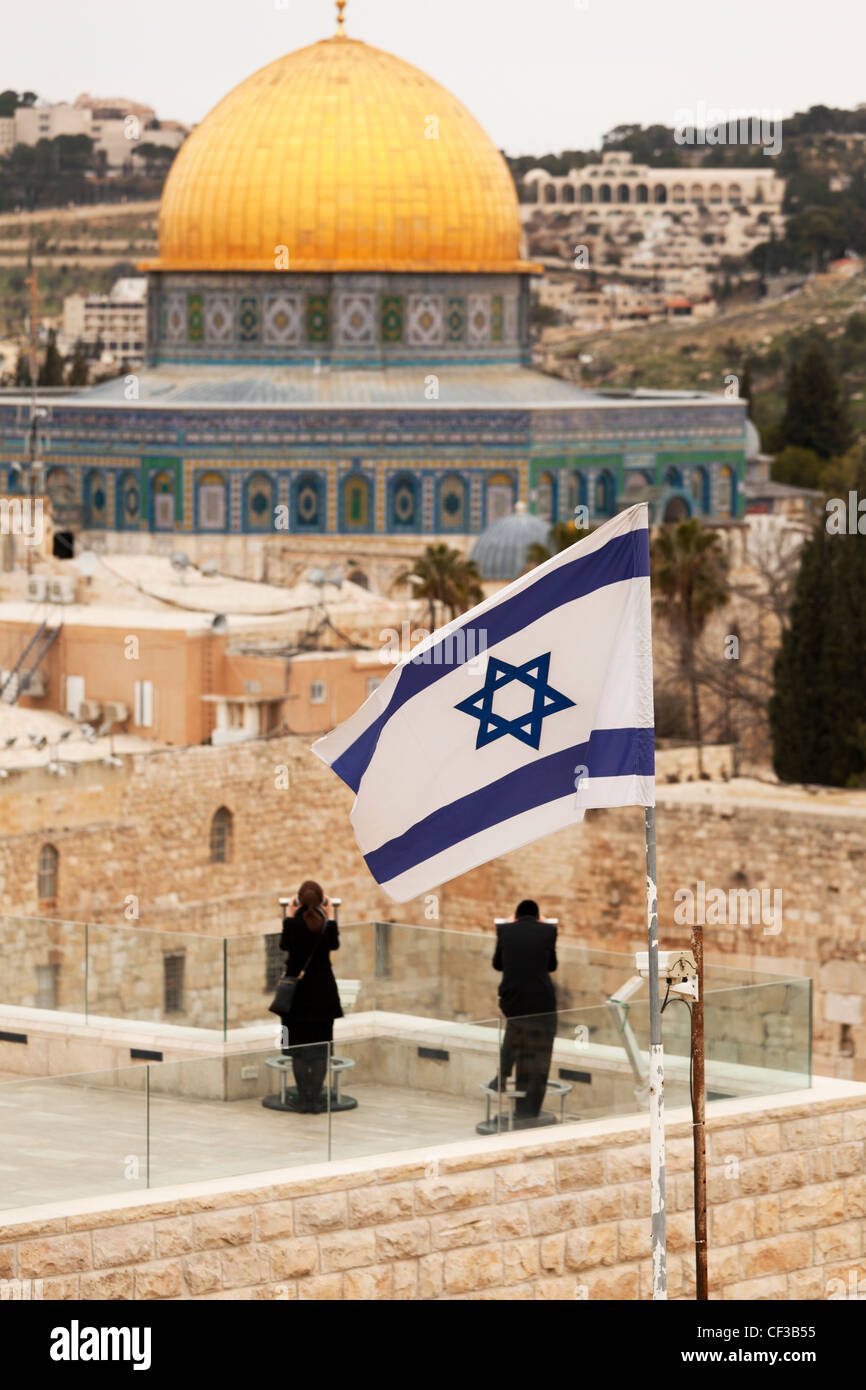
x=308, y=937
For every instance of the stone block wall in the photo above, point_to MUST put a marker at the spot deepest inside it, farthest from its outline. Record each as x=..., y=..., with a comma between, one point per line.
x=141, y=834
x=563, y=1215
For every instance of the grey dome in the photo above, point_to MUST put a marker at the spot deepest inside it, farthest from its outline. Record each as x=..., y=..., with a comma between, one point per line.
x=753, y=440
x=500, y=551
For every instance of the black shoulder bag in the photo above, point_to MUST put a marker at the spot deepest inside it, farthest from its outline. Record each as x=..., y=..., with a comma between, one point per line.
x=287, y=986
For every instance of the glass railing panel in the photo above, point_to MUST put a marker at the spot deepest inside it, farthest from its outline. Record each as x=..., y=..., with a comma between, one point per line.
x=76, y=1136
x=255, y=963
x=415, y=1088
x=218, y=1117
x=155, y=976
x=43, y=964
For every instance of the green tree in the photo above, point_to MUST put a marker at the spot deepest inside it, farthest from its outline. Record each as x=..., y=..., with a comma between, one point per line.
x=818, y=706
x=442, y=575
x=22, y=369
x=816, y=411
x=51, y=371
x=562, y=535
x=690, y=576
x=79, y=371
x=799, y=467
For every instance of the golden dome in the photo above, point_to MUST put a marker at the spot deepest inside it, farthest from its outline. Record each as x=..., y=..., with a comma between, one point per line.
x=328, y=153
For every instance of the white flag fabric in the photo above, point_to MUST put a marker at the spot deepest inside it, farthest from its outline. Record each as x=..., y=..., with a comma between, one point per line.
x=511, y=721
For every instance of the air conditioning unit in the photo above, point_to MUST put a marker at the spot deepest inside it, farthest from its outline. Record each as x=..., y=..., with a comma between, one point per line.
x=62, y=590
x=37, y=588
x=115, y=711
x=34, y=685
x=89, y=711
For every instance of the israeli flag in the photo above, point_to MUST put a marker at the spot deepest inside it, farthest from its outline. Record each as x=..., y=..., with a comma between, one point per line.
x=511, y=721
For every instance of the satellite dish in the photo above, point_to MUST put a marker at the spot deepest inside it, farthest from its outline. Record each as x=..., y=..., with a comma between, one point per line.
x=317, y=577
x=220, y=623
x=210, y=569
x=180, y=561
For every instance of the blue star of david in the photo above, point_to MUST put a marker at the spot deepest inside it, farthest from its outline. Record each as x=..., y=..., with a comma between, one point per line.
x=526, y=727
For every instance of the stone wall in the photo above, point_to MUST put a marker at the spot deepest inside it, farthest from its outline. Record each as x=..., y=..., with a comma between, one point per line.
x=136, y=839
x=564, y=1215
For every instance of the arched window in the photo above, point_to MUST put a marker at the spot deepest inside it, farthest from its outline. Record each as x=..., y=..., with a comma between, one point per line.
x=673, y=478
x=212, y=510
x=221, y=835
x=623, y=193
x=715, y=192
x=259, y=502
x=452, y=504
x=660, y=193
x=499, y=497
x=550, y=193
x=586, y=192
x=568, y=192
x=128, y=502
x=96, y=498
x=678, y=193
x=604, y=193
x=700, y=489
x=604, y=494
x=356, y=503
x=49, y=860
x=726, y=491
x=404, y=503
x=735, y=193
x=308, y=512
x=577, y=493
x=642, y=193
x=545, y=501
x=162, y=501
x=697, y=192
x=636, y=483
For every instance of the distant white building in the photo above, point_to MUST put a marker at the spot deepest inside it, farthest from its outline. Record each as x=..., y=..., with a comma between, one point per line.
x=111, y=327
x=115, y=126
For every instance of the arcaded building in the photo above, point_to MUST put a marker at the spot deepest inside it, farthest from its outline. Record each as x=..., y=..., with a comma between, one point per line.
x=338, y=346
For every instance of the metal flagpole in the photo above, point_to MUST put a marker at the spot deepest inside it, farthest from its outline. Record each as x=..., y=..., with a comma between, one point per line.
x=656, y=1070
x=699, y=1120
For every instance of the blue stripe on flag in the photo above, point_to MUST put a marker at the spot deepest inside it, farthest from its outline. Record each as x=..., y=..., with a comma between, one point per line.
x=608, y=753
x=624, y=557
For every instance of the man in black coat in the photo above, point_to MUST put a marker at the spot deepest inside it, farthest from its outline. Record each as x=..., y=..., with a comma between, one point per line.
x=526, y=955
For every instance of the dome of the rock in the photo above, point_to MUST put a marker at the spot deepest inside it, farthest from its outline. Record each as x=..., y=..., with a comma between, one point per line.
x=351, y=160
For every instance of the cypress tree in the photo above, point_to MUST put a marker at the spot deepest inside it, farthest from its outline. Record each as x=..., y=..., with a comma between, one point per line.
x=51, y=371
x=816, y=411
x=818, y=707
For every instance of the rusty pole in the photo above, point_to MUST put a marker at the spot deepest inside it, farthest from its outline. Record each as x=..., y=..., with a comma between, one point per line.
x=699, y=1121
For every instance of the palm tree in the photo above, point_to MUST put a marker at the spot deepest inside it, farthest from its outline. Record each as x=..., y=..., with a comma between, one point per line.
x=690, y=576
x=562, y=535
x=443, y=575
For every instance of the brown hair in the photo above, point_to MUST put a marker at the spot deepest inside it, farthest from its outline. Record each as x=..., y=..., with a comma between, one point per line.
x=310, y=899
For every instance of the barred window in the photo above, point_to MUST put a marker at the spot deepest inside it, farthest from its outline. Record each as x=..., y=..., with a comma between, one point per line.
x=48, y=862
x=173, y=971
x=221, y=831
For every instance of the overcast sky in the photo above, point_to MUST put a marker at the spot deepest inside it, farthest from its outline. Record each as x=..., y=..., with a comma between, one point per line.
x=540, y=76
